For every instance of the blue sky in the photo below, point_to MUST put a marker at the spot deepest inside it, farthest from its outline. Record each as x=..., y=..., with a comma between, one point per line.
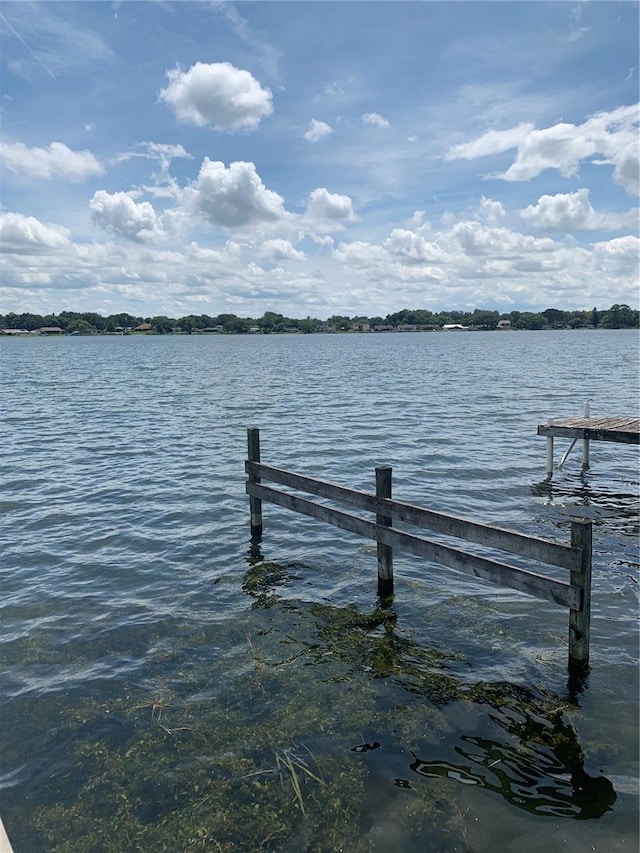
x=318, y=158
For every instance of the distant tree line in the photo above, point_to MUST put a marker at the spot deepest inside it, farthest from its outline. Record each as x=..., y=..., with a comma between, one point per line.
x=90, y=323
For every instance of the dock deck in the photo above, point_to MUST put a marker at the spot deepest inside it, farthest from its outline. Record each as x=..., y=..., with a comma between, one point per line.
x=623, y=430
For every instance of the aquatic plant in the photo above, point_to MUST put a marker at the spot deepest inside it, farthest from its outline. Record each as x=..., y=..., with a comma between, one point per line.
x=287, y=753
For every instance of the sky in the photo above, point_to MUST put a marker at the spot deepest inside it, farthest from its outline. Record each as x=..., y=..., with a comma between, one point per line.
x=318, y=158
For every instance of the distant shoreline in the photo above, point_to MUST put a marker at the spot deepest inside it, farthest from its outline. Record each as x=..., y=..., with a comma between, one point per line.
x=406, y=320
x=11, y=333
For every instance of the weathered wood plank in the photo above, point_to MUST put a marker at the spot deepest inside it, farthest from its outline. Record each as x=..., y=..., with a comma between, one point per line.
x=255, y=506
x=622, y=430
x=543, y=550
x=580, y=619
x=485, y=569
x=385, y=552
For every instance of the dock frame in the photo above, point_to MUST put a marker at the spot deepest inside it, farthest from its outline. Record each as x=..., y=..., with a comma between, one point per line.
x=622, y=430
x=574, y=557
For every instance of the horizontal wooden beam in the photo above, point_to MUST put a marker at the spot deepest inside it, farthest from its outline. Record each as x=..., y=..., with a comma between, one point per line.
x=543, y=550
x=493, y=571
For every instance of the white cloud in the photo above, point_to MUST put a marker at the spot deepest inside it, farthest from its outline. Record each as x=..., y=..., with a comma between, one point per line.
x=620, y=258
x=375, y=119
x=626, y=163
x=565, y=146
x=233, y=197
x=120, y=214
x=323, y=205
x=491, y=142
x=56, y=161
x=161, y=151
x=281, y=250
x=20, y=233
x=573, y=212
x=217, y=94
x=476, y=240
x=491, y=211
x=411, y=247
x=317, y=130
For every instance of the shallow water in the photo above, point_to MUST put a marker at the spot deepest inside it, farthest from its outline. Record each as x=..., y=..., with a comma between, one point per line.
x=141, y=629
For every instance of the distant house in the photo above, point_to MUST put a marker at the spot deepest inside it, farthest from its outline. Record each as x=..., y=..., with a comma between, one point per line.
x=504, y=324
x=51, y=330
x=143, y=327
x=360, y=327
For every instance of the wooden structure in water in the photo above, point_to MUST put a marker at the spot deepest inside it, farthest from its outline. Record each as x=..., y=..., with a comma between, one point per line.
x=575, y=557
x=622, y=430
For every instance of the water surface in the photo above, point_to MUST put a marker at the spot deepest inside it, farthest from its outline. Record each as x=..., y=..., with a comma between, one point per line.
x=167, y=685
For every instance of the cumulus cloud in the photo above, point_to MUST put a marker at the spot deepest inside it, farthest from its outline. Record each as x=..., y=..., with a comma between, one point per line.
x=218, y=95
x=20, y=233
x=573, y=212
x=317, y=130
x=411, y=247
x=333, y=207
x=620, y=257
x=123, y=216
x=565, y=146
x=375, y=119
x=477, y=239
x=491, y=211
x=233, y=197
x=281, y=250
x=56, y=161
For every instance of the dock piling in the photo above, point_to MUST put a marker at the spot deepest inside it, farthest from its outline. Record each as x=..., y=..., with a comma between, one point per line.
x=385, y=552
x=580, y=620
x=550, y=450
x=585, y=441
x=255, y=504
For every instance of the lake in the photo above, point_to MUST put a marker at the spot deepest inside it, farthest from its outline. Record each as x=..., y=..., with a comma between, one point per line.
x=166, y=684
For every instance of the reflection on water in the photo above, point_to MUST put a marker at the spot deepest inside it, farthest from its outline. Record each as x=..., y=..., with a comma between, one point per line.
x=540, y=768
x=584, y=494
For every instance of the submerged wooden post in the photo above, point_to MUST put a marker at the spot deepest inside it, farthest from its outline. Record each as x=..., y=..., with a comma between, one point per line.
x=580, y=620
x=550, y=450
x=255, y=504
x=385, y=552
x=585, y=441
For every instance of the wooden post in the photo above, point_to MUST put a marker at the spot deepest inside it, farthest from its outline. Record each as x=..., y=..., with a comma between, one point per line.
x=585, y=442
x=550, y=451
x=580, y=620
x=385, y=552
x=255, y=504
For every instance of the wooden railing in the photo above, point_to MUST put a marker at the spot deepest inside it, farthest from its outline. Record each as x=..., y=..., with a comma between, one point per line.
x=575, y=557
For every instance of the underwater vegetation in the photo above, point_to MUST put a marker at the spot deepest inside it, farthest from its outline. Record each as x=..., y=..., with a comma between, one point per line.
x=329, y=730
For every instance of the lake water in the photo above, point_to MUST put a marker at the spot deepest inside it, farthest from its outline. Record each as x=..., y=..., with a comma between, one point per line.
x=165, y=684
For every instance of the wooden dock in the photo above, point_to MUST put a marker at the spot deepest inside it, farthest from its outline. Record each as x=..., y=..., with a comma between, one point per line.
x=622, y=430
